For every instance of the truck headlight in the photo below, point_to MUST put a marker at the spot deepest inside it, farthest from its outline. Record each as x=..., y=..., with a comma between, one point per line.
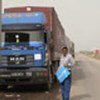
x=3, y=60
x=37, y=56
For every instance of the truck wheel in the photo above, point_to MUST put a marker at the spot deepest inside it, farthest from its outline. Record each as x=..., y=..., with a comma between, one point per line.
x=49, y=84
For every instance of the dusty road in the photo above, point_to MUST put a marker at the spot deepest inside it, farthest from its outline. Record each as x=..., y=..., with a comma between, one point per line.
x=85, y=86
x=86, y=79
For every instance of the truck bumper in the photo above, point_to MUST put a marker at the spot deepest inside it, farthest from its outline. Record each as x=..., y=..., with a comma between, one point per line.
x=24, y=77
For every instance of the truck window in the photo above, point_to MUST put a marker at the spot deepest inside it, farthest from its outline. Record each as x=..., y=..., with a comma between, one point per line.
x=24, y=36
x=16, y=37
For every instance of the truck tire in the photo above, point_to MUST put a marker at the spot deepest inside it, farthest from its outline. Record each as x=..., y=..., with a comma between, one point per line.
x=49, y=87
x=50, y=82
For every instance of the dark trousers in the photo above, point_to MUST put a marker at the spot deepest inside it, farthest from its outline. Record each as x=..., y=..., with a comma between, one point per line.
x=65, y=88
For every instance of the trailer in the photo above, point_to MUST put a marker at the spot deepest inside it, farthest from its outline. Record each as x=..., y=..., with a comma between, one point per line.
x=32, y=38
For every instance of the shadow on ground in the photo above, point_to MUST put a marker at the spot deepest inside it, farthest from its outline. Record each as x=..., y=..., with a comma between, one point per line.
x=81, y=97
x=77, y=72
x=24, y=88
x=30, y=93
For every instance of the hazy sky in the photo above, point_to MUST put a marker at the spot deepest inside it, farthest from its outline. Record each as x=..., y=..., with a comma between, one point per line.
x=80, y=18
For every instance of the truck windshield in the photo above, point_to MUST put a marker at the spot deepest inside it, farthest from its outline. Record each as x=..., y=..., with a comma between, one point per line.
x=24, y=36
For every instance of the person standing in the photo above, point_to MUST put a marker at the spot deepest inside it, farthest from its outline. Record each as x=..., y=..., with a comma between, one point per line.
x=67, y=61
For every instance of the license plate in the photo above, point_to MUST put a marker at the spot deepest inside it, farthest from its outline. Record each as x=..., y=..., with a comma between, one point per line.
x=17, y=74
x=28, y=74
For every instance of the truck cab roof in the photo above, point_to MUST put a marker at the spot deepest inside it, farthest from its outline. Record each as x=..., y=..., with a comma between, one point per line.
x=23, y=18
x=23, y=21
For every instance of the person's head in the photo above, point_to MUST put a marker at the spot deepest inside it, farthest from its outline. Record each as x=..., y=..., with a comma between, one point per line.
x=64, y=51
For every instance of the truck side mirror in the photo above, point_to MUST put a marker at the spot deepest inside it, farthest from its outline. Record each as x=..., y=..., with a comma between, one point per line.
x=45, y=37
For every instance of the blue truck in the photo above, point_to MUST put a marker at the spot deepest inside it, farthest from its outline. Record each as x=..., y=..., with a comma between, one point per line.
x=29, y=51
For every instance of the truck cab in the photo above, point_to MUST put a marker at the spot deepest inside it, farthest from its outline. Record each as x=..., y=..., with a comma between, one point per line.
x=23, y=50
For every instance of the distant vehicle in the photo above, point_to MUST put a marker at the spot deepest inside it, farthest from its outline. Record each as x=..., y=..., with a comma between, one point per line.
x=30, y=50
